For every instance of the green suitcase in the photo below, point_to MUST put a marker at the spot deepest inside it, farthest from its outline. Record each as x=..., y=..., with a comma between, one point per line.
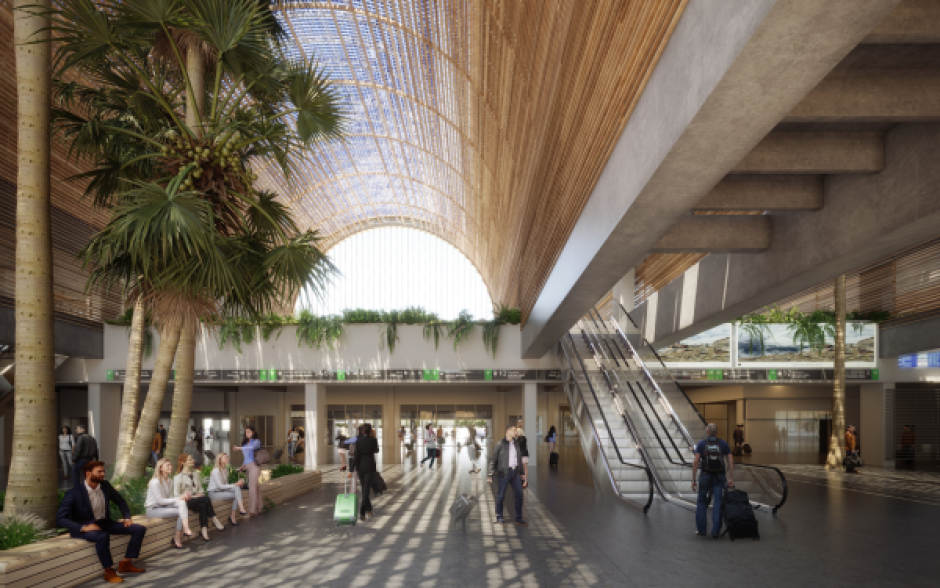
x=347, y=507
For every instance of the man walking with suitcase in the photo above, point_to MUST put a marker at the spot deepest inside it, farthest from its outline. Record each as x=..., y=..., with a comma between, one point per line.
x=713, y=454
x=506, y=463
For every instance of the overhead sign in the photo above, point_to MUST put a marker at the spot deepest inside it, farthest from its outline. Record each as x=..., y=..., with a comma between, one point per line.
x=359, y=375
x=764, y=376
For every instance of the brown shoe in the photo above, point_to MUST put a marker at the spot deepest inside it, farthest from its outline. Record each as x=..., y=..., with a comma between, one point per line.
x=111, y=576
x=127, y=566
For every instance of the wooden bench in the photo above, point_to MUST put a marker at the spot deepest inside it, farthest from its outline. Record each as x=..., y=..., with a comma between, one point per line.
x=64, y=561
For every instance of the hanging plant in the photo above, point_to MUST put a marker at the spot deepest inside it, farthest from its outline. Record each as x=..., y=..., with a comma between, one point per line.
x=502, y=315
x=461, y=328
x=388, y=333
x=231, y=332
x=273, y=323
x=318, y=331
x=436, y=330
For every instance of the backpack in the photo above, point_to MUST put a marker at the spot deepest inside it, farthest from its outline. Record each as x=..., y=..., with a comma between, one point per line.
x=711, y=460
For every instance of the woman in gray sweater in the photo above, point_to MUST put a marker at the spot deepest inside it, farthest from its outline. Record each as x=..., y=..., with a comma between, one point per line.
x=220, y=489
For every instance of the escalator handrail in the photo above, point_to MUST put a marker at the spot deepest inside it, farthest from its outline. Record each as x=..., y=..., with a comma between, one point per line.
x=649, y=422
x=610, y=433
x=633, y=431
x=672, y=441
x=783, y=478
x=659, y=359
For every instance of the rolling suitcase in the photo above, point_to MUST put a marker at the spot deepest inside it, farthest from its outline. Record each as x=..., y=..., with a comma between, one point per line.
x=747, y=449
x=738, y=515
x=347, y=506
x=553, y=459
x=464, y=505
x=378, y=483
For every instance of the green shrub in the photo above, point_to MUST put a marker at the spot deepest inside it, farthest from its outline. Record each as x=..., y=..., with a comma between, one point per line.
x=285, y=469
x=134, y=491
x=18, y=530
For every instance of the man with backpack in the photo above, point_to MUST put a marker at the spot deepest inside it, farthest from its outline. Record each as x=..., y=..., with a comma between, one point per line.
x=84, y=451
x=713, y=454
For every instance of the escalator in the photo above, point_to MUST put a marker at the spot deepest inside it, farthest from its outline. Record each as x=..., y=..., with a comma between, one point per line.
x=662, y=422
x=615, y=460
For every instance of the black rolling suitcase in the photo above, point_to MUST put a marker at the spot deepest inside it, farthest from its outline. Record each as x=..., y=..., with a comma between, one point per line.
x=464, y=505
x=378, y=483
x=553, y=459
x=738, y=515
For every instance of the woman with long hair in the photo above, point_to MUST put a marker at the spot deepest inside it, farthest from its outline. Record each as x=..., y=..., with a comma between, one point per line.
x=66, y=442
x=187, y=486
x=220, y=489
x=161, y=504
x=251, y=444
x=552, y=439
x=431, y=446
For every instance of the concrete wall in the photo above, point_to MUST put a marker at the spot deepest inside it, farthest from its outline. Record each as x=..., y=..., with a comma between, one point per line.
x=357, y=348
x=70, y=339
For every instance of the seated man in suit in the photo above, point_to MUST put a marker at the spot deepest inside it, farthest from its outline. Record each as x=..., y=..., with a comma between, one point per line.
x=85, y=513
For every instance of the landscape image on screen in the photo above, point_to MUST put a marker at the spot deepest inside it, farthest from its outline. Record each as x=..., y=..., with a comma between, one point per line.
x=711, y=346
x=782, y=344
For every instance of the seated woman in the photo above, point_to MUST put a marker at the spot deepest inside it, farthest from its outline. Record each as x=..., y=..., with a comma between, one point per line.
x=187, y=486
x=220, y=489
x=161, y=504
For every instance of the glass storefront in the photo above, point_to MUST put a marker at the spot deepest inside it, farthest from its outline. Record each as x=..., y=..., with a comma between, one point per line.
x=455, y=422
x=346, y=418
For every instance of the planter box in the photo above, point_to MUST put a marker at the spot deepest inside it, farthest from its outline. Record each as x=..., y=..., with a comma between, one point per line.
x=64, y=561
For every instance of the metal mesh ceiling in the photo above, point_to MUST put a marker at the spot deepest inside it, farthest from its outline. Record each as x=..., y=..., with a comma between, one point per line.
x=484, y=122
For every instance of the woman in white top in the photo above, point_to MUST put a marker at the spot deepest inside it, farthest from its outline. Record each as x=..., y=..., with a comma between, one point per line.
x=187, y=485
x=220, y=489
x=161, y=504
x=65, y=450
x=292, y=438
x=431, y=446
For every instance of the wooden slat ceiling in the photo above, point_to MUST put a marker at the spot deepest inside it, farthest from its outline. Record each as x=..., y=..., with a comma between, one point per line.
x=73, y=219
x=484, y=122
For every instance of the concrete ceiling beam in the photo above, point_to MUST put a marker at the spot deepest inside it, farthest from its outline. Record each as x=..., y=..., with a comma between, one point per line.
x=913, y=21
x=866, y=218
x=784, y=152
x=872, y=95
x=717, y=234
x=730, y=72
x=762, y=192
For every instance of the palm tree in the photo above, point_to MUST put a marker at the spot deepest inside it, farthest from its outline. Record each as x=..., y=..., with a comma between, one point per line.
x=836, y=447
x=135, y=356
x=33, y=479
x=129, y=119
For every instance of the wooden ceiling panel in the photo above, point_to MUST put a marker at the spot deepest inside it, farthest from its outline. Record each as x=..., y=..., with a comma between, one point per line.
x=484, y=122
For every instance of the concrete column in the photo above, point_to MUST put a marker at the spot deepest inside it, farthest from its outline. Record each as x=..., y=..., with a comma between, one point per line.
x=390, y=429
x=500, y=422
x=530, y=395
x=623, y=292
x=871, y=426
x=104, y=417
x=315, y=426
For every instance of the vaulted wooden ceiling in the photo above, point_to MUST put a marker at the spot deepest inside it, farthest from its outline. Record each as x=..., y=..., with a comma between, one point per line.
x=484, y=122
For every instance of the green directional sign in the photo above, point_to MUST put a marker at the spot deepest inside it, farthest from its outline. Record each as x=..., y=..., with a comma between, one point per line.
x=875, y=374
x=487, y=374
x=263, y=375
x=432, y=375
x=771, y=374
x=340, y=374
x=110, y=375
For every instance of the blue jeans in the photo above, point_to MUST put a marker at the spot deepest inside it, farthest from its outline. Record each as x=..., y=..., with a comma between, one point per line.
x=511, y=478
x=707, y=482
x=432, y=455
x=291, y=449
x=156, y=457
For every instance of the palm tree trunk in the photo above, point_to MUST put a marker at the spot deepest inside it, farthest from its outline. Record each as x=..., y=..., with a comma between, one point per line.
x=33, y=480
x=182, y=393
x=135, y=355
x=147, y=427
x=197, y=77
x=836, y=442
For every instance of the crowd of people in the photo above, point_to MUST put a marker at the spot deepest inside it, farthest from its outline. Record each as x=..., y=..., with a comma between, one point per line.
x=176, y=489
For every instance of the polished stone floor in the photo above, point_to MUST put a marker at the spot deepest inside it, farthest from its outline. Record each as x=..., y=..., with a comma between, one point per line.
x=826, y=535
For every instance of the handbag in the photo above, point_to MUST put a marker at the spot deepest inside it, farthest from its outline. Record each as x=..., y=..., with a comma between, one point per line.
x=262, y=457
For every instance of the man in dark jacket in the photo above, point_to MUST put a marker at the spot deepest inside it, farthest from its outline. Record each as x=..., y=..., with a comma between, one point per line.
x=84, y=512
x=84, y=451
x=506, y=463
x=364, y=463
